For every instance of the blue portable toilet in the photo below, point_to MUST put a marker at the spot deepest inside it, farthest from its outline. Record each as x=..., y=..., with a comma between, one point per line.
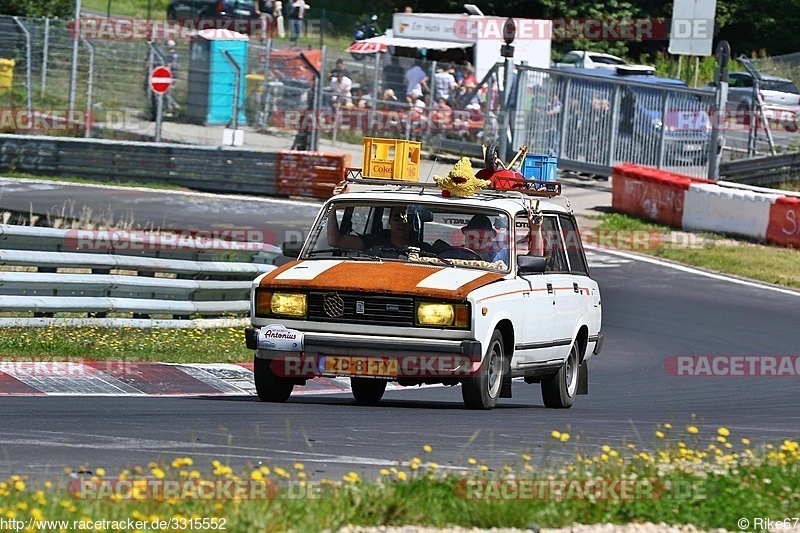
x=212, y=78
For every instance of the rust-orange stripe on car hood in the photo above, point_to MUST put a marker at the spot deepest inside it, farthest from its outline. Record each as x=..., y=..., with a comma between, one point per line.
x=390, y=277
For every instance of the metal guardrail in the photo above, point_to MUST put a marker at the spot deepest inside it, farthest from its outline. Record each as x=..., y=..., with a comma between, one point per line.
x=45, y=271
x=205, y=168
x=763, y=170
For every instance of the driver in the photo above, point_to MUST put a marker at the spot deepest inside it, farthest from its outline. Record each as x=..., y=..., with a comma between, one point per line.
x=397, y=237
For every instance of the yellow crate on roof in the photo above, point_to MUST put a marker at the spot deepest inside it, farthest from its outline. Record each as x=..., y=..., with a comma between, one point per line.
x=6, y=74
x=394, y=159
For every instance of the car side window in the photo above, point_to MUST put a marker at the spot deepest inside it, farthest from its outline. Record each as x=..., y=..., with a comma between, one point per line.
x=572, y=239
x=553, y=244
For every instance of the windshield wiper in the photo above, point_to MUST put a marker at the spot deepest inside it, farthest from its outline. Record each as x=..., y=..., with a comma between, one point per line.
x=365, y=255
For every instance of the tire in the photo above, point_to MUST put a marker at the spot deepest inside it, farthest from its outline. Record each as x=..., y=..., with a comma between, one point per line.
x=367, y=391
x=558, y=392
x=270, y=388
x=483, y=390
x=743, y=114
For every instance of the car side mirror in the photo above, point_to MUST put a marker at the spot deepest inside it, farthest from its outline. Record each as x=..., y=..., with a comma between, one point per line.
x=291, y=249
x=531, y=264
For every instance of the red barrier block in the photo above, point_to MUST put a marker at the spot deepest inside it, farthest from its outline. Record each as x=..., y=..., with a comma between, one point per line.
x=784, y=222
x=649, y=193
x=309, y=174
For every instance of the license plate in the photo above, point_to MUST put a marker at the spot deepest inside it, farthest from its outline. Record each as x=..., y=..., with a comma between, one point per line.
x=358, y=366
x=692, y=147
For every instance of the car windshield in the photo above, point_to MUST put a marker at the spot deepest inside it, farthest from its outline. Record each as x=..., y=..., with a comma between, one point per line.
x=446, y=235
x=608, y=60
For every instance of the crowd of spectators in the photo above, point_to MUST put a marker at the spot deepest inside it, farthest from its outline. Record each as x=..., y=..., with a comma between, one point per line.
x=411, y=93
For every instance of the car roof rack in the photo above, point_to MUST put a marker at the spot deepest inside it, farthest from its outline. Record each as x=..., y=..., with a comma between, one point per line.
x=509, y=186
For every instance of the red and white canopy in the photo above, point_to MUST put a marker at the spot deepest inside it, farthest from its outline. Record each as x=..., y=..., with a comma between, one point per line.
x=383, y=42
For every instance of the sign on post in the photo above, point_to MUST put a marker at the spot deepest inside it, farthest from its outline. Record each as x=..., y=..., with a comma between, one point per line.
x=161, y=80
x=692, y=29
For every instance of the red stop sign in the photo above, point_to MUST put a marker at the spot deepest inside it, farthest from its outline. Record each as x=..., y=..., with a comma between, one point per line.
x=160, y=80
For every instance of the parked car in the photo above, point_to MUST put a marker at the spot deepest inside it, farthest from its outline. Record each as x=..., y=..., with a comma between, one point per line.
x=466, y=303
x=780, y=98
x=597, y=60
x=212, y=9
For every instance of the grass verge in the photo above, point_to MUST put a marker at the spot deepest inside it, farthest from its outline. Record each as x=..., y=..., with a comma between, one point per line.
x=90, y=181
x=710, y=481
x=192, y=345
x=771, y=264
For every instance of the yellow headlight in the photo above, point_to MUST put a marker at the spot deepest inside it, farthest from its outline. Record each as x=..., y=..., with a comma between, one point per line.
x=289, y=304
x=435, y=314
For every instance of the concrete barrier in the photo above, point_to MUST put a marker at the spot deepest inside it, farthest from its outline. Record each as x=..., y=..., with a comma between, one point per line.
x=784, y=222
x=702, y=205
x=735, y=212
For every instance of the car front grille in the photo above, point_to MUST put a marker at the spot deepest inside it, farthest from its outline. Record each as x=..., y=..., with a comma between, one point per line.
x=360, y=308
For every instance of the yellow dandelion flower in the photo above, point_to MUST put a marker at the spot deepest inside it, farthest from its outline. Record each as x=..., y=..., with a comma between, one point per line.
x=416, y=460
x=401, y=476
x=606, y=448
x=19, y=485
x=526, y=457
x=384, y=472
x=692, y=430
x=483, y=468
x=298, y=466
x=660, y=434
x=723, y=432
x=668, y=425
x=564, y=437
x=555, y=434
x=472, y=461
x=427, y=448
x=256, y=475
x=100, y=472
x=720, y=438
x=37, y=514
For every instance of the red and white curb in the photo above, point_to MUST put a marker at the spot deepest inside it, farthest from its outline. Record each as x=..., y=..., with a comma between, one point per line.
x=112, y=378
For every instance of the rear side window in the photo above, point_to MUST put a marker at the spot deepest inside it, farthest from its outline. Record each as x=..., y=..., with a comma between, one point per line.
x=782, y=86
x=572, y=239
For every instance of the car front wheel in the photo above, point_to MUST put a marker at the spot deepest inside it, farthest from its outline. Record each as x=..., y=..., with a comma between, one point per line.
x=558, y=392
x=269, y=386
x=483, y=390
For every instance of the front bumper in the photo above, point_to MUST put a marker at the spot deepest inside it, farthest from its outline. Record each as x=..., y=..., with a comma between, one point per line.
x=341, y=354
x=366, y=345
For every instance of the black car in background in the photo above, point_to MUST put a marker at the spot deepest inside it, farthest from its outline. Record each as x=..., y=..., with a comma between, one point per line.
x=212, y=9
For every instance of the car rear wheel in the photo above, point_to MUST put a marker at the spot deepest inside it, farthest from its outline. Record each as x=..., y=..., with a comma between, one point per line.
x=269, y=386
x=558, y=392
x=367, y=391
x=483, y=390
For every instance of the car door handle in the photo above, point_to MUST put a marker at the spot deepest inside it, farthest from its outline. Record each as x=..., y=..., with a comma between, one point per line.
x=549, y=288
x=575, y=288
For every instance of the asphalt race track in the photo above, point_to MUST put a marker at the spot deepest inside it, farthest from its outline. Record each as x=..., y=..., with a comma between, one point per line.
x=651, y=311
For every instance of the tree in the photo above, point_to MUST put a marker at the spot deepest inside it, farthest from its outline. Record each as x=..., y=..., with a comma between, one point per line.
x=37, y=8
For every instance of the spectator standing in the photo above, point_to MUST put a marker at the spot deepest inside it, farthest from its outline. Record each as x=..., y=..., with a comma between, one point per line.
x=297, y=10
x=279, y=19
x=339, y=67
x=341, y=86
x=265, y=9
x=416, y=83
x=444, y=83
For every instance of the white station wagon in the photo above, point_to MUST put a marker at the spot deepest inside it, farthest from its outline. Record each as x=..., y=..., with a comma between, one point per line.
x=397, y=282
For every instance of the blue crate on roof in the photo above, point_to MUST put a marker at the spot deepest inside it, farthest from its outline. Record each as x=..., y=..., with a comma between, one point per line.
x=540, y=167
